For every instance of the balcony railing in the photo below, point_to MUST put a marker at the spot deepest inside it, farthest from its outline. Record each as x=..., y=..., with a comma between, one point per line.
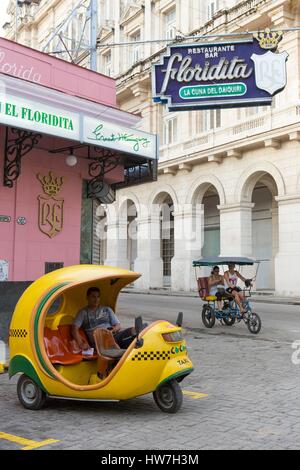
x=247, y=129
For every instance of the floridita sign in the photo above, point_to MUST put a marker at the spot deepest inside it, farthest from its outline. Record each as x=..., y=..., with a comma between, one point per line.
x=51, y=120
x=204, y=76
x=18, y=70
x=39, y=117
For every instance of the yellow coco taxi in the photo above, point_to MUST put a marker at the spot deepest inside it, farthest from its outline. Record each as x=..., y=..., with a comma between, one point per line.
x=43, y=350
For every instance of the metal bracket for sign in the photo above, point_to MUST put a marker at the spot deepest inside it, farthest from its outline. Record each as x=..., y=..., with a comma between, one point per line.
x=98, y=168
x=17, y=147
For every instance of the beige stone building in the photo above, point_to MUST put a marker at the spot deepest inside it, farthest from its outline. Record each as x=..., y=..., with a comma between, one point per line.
x=242, y=165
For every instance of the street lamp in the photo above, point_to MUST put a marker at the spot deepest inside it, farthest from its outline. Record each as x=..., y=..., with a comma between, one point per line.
x=71, y=159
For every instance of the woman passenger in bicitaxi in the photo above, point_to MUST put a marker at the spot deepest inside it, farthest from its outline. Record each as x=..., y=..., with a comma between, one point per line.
x=216, y=285
x=231, y=277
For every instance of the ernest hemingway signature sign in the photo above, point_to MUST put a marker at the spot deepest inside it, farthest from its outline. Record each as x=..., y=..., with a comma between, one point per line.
x=212, y=75
x=112, y=136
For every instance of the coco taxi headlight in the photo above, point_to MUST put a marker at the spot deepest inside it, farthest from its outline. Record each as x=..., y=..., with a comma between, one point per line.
x=174, y=337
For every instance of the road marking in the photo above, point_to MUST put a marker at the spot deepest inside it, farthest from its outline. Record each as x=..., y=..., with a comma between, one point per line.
x=194, y=395
x=28, y=443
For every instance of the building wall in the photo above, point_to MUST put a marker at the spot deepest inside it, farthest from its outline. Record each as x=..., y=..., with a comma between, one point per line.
x=231, y=152
x=25, y=247
x=233, y=180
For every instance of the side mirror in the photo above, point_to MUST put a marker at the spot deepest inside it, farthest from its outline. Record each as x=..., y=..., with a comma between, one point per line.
x=179, y=320
x=138, y=325
x=138, y=328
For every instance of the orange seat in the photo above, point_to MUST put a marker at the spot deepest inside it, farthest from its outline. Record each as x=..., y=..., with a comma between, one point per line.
x=203, y=288
x=65, y=333
x=109, y=352
x=56, y=349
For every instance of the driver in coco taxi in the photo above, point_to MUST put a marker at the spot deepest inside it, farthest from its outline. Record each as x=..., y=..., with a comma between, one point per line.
x=95, y=316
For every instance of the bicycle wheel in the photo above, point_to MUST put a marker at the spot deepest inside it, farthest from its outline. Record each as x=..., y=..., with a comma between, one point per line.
x=208, y=316
x=254, y=323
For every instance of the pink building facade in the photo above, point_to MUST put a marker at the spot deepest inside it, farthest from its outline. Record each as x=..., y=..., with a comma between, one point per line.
x=57, y=121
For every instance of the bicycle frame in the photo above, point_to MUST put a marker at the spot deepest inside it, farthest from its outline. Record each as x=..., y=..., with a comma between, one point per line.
x=233, y=311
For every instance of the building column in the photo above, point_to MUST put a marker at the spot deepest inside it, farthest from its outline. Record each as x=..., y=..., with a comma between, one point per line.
x=236, y=229
x=287, y=260
x=116, y=51
x=117, y=244
x=149, y=262
x=148, y=26
x=275, y=240
x=188, y=240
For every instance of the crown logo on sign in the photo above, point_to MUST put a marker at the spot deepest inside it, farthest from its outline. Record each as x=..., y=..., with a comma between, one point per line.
x=268, y=39
x=51, y=185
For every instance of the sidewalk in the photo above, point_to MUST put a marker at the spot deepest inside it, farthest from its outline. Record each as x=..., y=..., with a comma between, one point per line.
x=262, y=297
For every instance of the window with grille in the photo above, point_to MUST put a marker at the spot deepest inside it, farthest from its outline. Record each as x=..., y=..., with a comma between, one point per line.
x=167, y=237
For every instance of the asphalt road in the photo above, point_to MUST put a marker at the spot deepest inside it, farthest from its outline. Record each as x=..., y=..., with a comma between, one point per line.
x=280, y=323
x=242, y=394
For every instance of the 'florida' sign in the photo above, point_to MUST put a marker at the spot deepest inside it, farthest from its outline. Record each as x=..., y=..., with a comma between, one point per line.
x=204, y=76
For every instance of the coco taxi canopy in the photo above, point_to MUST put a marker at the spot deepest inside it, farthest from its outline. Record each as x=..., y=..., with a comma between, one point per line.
x=50, y=104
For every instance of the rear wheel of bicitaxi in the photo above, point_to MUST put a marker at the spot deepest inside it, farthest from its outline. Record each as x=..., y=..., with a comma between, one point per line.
x=254, y=323
x=30, y=394
x=208, y=316
x=168, y=397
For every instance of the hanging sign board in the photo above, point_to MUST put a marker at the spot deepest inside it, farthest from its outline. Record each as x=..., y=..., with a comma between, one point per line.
x=221, y=75
x=116, y=137
x=38, y=117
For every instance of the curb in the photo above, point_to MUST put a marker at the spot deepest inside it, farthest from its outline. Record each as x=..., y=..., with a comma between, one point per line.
x=260, y=298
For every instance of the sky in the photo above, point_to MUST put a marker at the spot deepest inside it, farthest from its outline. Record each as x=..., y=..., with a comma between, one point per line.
x=3, y=6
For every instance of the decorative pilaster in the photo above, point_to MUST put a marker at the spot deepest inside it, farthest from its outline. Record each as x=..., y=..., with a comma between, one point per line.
x=149, y=261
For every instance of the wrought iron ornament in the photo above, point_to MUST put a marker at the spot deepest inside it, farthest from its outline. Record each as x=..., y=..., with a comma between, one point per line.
x=97, y=170
x=21, y=143
x=138, y=174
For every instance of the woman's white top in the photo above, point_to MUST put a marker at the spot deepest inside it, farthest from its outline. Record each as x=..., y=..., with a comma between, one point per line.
x=214, y=289
x=233, y=279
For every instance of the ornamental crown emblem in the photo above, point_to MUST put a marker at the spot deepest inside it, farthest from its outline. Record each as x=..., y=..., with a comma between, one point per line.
x=51, y=185
x=269, y=39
